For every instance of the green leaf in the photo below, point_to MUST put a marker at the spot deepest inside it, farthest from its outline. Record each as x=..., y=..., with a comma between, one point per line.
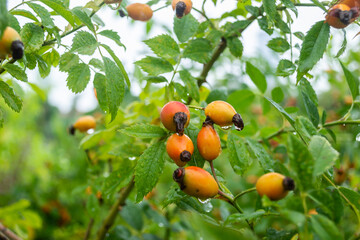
x=113, y=36
x=352, y=81
x=132, y=214
x=118, y=63
x=290, y=5
x=154, y=66
x=11, y=99
x=52, y=58
x=43, y=13
x=84, y=43
x=92, y=140
x=158, y=79
x=241, y=99
x=323, y=154
x=60, y=9
x=235, y=46
x=163, y=46
x=83, y=17
x=79, y=77
x=256, y=76
x=198, y=50
x=273, y=234
x=306, y=87
x=118, y=178
x=305, y=128
x=282, y=111
x=92, y=206
x=301, y=162
x=191, y=84
x=343, y=46
x=278, y=45
x=115, y=90
x=16, y=71
x=313, y=47
x=185, y=27
x=270, y=10
x=324, y=228
x=149, y=168
x=32, y=36
x=100, y=84
x=264, y=25
x=38, y=91
x=67, y=61
x=144, y=131
x=97, y=64
x=277, y=94
x=24, y=13
x=238, y=155
x=265, y=160
x=352, y=196
x=285, y=68
x=310, y=101
x=4, y=21
x=239, y=217
x=1, y=118
x=44, y=68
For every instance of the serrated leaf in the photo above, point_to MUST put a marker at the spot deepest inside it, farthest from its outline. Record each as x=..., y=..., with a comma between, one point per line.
x=83, y=17
x=149, y=168
x=93, y=139
x=256, y=76
x=235, y=46
x=163, y=46
x=352, y=196
x=323, y=154
x=265, y=160
x=278, y=45
x=185, y=27
x=198, y=50
x=79, y=77
x=158, y=79
x=16, y=71
x=84, y=43
x=277, y=94
x=11, y=99
x=67, y=61
x=352, y=81
x=118, y=178
x=238, y=155
x=310, y=101
x=113, y=36
x=144, y=131
x=313, y=47
x=289, y=4
x=154, y=66
x=343, y=46
x=239, y=217
x=60, y=9
x=263, y=24
x=3, y=16
x=24, y=13
x=305, y=128
x=115, y=90
x=92, y=206
x=100, y=84
x=241, y=99
x=306, y=87
x=191, y=84
x=282, y=111
x=32, y=36
x=52, y=58
x=324, y=228
x=301, y=162
x=132, y=214
x=44, y=15
x=285, y=68
x=270, y=10
x=97, y=64
x=44, y=68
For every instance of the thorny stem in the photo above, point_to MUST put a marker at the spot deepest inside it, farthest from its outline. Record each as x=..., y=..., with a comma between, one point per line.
x=110, y=219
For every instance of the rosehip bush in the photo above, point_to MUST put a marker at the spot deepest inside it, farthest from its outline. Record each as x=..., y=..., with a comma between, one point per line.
x=202, y=137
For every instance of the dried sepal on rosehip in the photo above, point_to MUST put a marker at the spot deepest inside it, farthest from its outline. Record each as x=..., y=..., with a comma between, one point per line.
x=208, y=141
x=342, y=14
x=83, y=124
x=180, y=149
x=181, y=7
x=224, y=115
x=139, y=11
x=274, y=185
x=175, y=116
x=11, y=44
x=196, y=182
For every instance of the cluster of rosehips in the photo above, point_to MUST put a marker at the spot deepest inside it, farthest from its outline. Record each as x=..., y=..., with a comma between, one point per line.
x=143, y=12
x=343, y=13
x=11, y=44
x=195, y=181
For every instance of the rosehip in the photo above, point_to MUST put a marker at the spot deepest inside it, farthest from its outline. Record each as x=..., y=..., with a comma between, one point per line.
x=196, y=182
x=139, y=11
x=342, y=14
x=181, y=7
x=180, y=149
x=175, y=116
x=274, y=185
x=223, y=114
x=208, y=141
x=11, y=44
x=83, y=124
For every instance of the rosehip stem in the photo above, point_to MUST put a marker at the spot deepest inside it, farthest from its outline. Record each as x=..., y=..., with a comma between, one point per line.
x=244, y=192
x=196, y=107
x=214, y=174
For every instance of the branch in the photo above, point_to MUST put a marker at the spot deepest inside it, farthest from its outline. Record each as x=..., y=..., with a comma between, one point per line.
x=110, y=219
x=8, y=233
x=88, y=230
x=342, y=122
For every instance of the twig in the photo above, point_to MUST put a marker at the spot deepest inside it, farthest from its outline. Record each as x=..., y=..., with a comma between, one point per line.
x=213, y=172
x=243, y=193
x=110, y=219
x=8, y=233
x=342, y=122
x=88, y=230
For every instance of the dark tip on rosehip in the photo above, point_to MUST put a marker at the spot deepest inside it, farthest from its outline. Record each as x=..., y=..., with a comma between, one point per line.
x=288, y=184
x=72, y=130
x=121, y=13
x=180, y=119
x=238, y=122
x=185, y=156
x=208, y=121
x=180, y=9
x=178, y=176
x=17, y=49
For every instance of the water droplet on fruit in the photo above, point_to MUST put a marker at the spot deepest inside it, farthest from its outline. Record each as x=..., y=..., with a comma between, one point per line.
x=227, y=127
x=237, y=128
x=358, y=137
x=90, y=131
x=204, y=201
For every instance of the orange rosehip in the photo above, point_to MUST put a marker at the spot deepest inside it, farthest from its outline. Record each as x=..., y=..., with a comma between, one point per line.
x=11, y=44
x=223, y=114
x=208, y=142
x=274, y=185
x=196, y=182
x=181, y=7
x=83, y=124
x=139, y=11
x=180, y=149
x=175, y=116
